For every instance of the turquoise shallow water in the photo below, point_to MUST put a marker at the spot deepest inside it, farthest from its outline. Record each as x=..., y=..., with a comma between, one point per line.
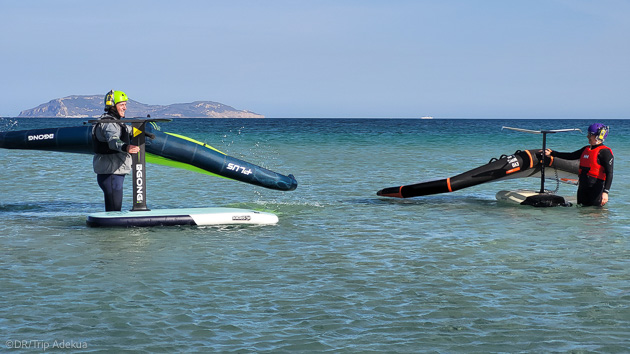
x=343, y=270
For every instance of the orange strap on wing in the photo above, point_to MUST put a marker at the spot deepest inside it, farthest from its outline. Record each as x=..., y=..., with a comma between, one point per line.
x=531, y=159
x=512, y=170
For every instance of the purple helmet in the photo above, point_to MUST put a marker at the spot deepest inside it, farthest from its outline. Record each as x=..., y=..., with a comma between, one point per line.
x=599, y=130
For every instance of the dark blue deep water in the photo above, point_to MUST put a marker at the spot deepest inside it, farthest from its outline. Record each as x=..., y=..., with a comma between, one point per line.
x=343, y=270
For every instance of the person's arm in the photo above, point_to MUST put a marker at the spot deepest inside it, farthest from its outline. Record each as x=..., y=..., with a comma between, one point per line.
x=606, y=160
x=575, y=155
x=112, y=136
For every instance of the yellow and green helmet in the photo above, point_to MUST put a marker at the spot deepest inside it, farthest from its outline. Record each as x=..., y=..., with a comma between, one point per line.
x=114, y=97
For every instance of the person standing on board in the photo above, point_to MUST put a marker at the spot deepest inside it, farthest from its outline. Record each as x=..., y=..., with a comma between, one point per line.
x=596, y=167
x=112, y=149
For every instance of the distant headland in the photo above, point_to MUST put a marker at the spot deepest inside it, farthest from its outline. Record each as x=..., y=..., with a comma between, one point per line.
x=91, y=106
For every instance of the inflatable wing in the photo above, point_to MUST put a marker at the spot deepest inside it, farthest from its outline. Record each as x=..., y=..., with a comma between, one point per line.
x=166, y=149
x=525, y=163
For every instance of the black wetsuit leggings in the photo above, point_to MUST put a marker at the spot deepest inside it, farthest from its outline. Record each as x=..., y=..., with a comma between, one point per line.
x=112, y=186
x=590, y=191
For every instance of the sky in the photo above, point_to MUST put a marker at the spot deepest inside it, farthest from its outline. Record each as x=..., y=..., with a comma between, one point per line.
x=326, y=58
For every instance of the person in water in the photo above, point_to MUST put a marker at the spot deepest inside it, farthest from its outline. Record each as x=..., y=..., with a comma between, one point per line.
x=596, y=167
x=112, y=150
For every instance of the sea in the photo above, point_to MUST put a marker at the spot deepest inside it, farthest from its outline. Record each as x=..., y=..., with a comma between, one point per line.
x=344, y=271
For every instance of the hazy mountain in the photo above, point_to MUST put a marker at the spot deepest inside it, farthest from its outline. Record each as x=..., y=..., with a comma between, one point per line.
x=92, y=106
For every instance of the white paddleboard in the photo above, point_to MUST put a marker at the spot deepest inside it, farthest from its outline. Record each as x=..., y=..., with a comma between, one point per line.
x=188, y=216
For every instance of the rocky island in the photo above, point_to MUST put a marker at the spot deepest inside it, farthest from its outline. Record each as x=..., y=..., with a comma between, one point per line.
x=91, y=106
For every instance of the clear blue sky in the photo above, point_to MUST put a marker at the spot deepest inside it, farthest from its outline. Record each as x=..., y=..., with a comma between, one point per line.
x=326, y=58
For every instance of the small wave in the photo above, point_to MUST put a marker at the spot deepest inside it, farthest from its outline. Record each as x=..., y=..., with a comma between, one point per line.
x=8, y=208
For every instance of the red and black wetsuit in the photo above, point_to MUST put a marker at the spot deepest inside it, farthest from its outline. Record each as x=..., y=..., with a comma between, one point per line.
x=596, y=172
